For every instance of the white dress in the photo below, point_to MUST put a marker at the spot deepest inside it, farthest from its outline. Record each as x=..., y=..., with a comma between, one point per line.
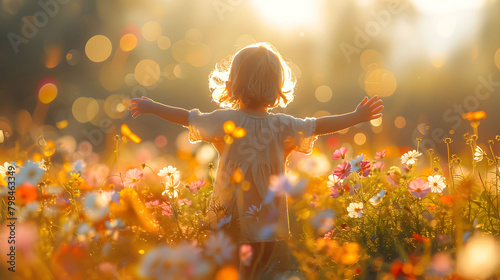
x=246, y=164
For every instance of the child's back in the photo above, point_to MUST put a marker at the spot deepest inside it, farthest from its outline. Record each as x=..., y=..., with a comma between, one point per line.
x=256, y=157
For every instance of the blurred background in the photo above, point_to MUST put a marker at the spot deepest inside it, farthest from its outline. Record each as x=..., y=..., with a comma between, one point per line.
x=71, y=67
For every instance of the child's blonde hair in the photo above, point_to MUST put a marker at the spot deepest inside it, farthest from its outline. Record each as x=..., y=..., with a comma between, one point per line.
x=258, y=76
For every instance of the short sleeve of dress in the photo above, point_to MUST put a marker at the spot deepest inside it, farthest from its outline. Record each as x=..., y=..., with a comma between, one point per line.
x=299, y=133
x=207, y=127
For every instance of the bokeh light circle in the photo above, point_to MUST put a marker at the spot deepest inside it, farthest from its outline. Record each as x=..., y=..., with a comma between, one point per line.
x=128, y=42
x=193, y=35
x=161, y=141
x=376, y=122
x=321, y=113
x=98, y=48
x=130, y=79
x=114, y=106
x=199, y=55
x=47, y=93
x=359, y=138
x=85, y=109
x=371, y=60
x=147, y=72
x=73, y=57
x=400, y=122
x=497, y=58
x=323, y=93
x=151, y=31
x=180, y=50
x=163, y=42
x=380, y=82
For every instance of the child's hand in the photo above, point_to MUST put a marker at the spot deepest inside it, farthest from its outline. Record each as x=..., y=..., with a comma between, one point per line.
x=369, y=109
x=141, y=106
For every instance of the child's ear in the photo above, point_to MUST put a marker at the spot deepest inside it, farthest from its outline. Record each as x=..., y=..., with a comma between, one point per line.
x=228, y=87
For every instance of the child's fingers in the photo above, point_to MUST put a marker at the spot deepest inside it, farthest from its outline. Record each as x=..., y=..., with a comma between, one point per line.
x=376, y=116
x=363, y=102
x=376, y=104
x=378, y=109
x=372, y=100
x=135, y=100
x=144, y=97
x=135, y=115
x=133, y=106
x=134, y=111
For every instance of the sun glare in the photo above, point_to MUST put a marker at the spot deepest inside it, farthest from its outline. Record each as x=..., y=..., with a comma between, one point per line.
x=289, y=13
x=447, y=6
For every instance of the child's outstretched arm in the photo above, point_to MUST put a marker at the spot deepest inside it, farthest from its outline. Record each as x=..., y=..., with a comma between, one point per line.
x=144, y=105
x=367, y=110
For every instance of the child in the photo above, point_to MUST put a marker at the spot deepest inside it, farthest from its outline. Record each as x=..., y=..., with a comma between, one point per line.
x=253, y=145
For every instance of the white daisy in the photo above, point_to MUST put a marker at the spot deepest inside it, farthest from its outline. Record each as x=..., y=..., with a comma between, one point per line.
x=479, y=154
x=96, y=206
x=436, y=183
x=224, y=221
x=355, y=163
x=171, y=189
x=4, y=170
x=169, y=262
x=254, y=211
x=332, y=180
x=43, y=165
x=410, y=158
x=171, y=175
x=219, y=248
x=29, y=172
x=355, y=210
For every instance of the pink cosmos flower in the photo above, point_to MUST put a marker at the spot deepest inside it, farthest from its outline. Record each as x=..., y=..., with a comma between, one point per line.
x=329, y=234
x=313, y=200
x=246, y=254
x=342, y=170
x=335, y=192
x=152, y=203
x=132, y=177
x=378, y=165
x=340, y=153
x=184, y=201
x=166, y=209
x=419, y=188
x=365, y=168
x=196, y=185
x=380, y=155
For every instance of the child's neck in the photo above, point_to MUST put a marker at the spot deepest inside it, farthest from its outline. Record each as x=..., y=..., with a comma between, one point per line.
x=254, y=110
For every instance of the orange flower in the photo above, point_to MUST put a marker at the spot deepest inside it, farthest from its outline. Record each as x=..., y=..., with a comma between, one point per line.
x=474, y=116
x=446, y=199
x=133, y=211
x=26, y=193
x=420, y=239
x=351, y=253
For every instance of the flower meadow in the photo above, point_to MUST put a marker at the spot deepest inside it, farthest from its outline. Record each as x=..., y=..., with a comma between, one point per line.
x=133, y=214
